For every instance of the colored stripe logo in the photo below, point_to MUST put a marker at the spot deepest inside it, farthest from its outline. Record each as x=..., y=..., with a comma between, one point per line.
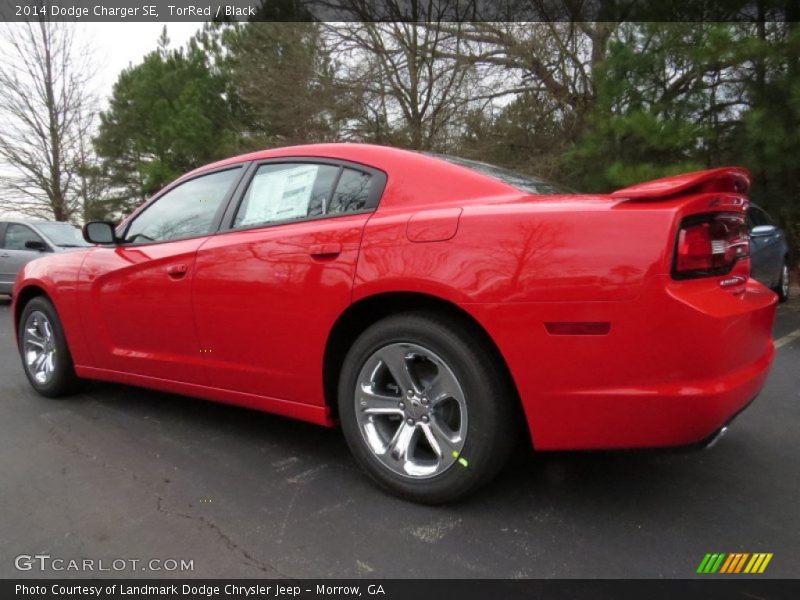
x=736, y=562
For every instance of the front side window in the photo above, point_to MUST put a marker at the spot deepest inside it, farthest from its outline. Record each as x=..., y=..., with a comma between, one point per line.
x=764, y=217
x=757, y=217
x=18, y=235
x=185, y=211
x=283, y=192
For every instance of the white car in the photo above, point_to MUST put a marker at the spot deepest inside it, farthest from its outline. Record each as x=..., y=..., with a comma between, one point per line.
x=23, y=241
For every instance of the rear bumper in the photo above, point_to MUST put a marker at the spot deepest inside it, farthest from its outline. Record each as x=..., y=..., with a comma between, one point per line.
x=712, y=440
x=676, y=365
x=658, y=416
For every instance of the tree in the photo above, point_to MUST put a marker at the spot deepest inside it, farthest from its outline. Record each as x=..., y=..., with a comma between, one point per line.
x=527, y=134
x=555, y=63
x=768, y=137
x=667, y=96
x=166, y=116
x=92, y=183
x=45, y=112
x=284, y=81
x=414, y=86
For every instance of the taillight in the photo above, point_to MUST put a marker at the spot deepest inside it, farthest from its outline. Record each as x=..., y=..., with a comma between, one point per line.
x=710, y=245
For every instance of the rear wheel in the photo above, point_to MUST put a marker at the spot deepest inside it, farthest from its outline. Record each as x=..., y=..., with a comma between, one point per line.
x=782, y=289
x=425, y=408
x=43, y=347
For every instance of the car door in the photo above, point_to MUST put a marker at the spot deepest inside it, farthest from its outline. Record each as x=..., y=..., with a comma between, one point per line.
x=5, y=270
x=136, y=296
x=14, y=254
x=766, y=257
x=773, y=249
x=269, y=287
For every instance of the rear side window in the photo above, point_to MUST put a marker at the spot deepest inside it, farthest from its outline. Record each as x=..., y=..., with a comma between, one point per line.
x=352, y=193
x=17, y=235
x=284, y=192
x=185, y=211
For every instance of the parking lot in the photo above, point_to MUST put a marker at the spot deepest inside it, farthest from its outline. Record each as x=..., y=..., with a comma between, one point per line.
x=121, y=472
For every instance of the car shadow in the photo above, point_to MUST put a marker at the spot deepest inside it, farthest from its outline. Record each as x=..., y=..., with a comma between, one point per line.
x=529, y=481
x=187, y=414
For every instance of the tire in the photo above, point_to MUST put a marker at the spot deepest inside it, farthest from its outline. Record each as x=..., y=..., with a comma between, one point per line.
x=782, y=289
x=461, y=402
x=40, y=333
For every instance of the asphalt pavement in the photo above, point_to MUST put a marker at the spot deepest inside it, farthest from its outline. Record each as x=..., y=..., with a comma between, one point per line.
x=125, y=473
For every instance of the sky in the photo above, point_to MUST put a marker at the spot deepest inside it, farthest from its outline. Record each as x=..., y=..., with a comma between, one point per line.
x=118, y=45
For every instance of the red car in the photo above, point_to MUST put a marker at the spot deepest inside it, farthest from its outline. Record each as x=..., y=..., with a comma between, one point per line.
x=430, y=305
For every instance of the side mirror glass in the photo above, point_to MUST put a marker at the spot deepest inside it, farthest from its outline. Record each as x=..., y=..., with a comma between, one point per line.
x=99, y=232
x=36, y=245
x=763, y=230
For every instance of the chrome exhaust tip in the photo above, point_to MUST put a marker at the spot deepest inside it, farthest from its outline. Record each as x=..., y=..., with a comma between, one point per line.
x=716, y=437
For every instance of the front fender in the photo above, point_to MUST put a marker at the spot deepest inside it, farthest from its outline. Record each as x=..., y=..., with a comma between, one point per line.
x=57, y=278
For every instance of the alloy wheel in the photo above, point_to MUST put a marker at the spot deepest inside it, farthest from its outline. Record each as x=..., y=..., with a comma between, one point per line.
x=411, y=410
x=39, y=347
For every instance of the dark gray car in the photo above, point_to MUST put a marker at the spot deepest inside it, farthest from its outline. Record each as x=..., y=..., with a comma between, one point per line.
x=769, y=252
x=23, y=241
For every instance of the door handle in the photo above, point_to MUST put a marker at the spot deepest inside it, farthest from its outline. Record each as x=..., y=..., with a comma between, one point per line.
x=177, y=271
x=325, y=250
x=4, y=255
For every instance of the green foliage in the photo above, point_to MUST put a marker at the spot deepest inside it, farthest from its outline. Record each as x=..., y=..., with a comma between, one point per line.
x=637, y=146
x=167, y=115
x=673, y=97
x=656, y=112
x=770, y=130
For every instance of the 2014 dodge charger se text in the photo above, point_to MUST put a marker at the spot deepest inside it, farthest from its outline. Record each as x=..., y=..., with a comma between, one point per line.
x=430, y=305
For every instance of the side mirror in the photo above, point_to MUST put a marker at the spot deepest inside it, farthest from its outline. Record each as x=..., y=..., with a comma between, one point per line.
x=760, y=230
x=36, y=245
x=99, y=232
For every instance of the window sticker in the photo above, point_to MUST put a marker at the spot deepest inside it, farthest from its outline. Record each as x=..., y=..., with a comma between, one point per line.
x=277, y=195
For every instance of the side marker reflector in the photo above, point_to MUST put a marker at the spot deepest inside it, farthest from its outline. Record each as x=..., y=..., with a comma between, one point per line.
x=578, y=327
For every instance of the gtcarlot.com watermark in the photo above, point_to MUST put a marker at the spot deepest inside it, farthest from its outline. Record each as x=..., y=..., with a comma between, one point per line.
x=48, y=563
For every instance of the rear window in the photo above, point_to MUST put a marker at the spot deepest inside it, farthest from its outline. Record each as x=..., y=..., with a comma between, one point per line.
x=521, y=181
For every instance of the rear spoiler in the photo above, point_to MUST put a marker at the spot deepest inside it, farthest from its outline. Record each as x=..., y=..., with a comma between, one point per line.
x=725, y=179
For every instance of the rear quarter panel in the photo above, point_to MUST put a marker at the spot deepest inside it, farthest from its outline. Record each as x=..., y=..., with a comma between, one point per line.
x=515, y=265
x=520, y=252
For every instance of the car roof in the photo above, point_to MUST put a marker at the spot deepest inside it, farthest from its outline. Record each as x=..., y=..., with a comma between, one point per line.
x=33, y=222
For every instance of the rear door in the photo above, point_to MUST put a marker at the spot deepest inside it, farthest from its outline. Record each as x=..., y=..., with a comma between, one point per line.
x=136, y=296
x=14, y=255
x=269, y=287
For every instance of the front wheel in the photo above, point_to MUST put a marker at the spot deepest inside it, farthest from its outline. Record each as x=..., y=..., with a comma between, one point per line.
x=782, y=289
x=425, y=408
x=44, y=351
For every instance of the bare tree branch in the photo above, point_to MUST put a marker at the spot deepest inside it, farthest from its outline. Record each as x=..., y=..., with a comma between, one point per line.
x=46, y=113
